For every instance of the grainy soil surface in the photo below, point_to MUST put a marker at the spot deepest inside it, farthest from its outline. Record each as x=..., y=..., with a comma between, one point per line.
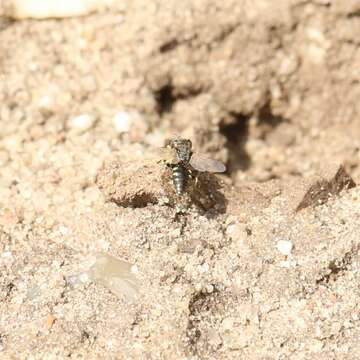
x=261, y=262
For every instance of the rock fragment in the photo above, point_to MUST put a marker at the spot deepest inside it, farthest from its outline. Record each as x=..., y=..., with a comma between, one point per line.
x=329, y=184
x=116, y=275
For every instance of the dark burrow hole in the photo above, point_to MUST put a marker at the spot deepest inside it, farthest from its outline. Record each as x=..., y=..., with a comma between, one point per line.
x=166, y=97
x=267, y=121
x=237, y=133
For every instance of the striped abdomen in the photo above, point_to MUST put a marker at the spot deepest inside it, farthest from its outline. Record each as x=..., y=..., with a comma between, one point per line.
x=179, y=178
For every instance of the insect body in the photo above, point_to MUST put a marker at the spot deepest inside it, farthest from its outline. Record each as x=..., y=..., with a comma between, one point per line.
x=179, y=177
x=181, y=159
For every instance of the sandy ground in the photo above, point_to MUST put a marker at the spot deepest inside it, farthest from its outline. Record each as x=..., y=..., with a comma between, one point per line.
x=262, y=263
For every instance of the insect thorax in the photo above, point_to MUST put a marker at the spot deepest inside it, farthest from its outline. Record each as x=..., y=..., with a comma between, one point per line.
x=182, y=148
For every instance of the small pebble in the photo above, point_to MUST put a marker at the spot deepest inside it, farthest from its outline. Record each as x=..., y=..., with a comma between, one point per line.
x=209, y=288
x=64, y=230
x=204, y=268
x=82, y=122
x=227, y=323
x=122, y=122
x=7, y=254
x=285, y=247
x=46, y=102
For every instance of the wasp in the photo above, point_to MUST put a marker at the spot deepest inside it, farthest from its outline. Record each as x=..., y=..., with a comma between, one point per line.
x=179, y=156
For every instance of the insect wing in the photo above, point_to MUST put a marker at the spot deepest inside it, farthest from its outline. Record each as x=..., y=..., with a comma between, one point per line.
x=202, y=162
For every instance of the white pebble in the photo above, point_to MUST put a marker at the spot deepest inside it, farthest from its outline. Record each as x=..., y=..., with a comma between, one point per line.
x=204, y=268
x=82, y=122
x=7, y=254
x=285, y=247
x=64, y=230
x=209, y=288
x=46, y=102
x=122, y=121
x=227, y=323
